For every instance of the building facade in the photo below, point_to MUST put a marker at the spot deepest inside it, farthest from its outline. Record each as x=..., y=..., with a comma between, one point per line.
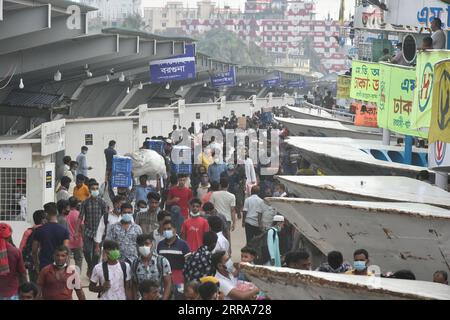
x=113, y=12
x=281, y=37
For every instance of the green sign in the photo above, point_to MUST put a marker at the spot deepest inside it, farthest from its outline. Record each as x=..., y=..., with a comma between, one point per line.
x=365, y=81
x=395, y=106
x=426, y=61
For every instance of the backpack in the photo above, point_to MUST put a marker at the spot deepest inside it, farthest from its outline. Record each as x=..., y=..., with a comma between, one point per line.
x=106, y=273
x=105, y=221
x=27, y=252
x=259, y=243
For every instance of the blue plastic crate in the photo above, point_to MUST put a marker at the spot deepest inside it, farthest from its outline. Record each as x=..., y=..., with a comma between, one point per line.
x=121, y=164
x=122, y=180
x=156, y=145
x=182, y=168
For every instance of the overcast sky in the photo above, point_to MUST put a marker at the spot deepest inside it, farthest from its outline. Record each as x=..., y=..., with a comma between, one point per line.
x=323, y=6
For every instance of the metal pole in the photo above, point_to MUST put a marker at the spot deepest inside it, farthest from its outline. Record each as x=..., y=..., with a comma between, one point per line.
x=441, y=180
x=386, y=137
x=408, y=149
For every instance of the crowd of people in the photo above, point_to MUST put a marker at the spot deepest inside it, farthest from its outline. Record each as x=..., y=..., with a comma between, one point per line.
x=164, y=240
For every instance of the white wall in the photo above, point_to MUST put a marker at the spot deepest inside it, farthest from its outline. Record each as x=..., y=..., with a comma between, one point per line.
x=159, y=122
x=103, y=130
x=15, y=155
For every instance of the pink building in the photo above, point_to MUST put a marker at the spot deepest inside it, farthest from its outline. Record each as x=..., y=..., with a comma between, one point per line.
x=281, y=36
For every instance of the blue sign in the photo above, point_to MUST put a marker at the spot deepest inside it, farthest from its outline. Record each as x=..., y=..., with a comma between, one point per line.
x=180, y=67
x=296, y=83
x=273, y=82
x=224, y=79
x=121, y=172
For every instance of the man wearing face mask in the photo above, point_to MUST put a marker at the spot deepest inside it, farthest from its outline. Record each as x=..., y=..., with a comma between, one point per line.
x=91, y=212
x=195, y=227
x=107, y=220
x=151, y=266
x=111, y=279
x=82, y=162
x=148, y=219
x=175, y=250
x=125, y=233
x=54, y=279
x=215, y=169
x=227, y=276
x=360, y=263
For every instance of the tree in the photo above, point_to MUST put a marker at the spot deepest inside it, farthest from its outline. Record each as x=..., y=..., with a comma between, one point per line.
x=226, y=46
x=134, y=22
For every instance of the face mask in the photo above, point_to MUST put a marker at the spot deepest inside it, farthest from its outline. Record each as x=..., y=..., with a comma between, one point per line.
x=229, y=266
x=114, y=255
x=95, y=193
x=127, y=217
x=145, y=251
x=168, y=234
x=194, y=214
x=359, y=265
x=60, y=266
x=142, y=209
x=276, y=194
x=216, y=160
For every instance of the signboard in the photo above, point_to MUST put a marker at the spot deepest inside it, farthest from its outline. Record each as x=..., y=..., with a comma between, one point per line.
x=366, y=115
x=180, y=67
x=440, y=114
x=121, y=172
x=88, y=139
x=425, y=82
x=16, y=156
x=371, y=17
x=48, y=179
x=395, y=106
x=273, y=82
x=224, y=79
x=343, y=87
x=417, y=13
x=438, y=155
x=53, y=137
x=300, y=83
x=365, y=82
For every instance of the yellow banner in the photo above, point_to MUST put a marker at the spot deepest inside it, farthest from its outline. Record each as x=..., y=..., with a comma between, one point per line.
x=343, y=87
x=426, y=61
x=440, y=113
x=365, y=81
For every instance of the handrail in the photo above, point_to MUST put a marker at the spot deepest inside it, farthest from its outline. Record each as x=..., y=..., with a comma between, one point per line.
x=332, y=112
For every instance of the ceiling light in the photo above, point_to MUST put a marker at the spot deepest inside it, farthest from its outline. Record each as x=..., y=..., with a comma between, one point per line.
x=205, y=85
x=128, y=90
x=21, y=85
x=140, y=86
x=107, y=78
x=122, y=77
x=167, y=86
x=181, y=88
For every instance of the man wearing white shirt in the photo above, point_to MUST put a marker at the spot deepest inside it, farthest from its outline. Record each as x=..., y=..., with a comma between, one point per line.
x=252, y=219
x=216, y=225
x=438, y=35
x=249, y=174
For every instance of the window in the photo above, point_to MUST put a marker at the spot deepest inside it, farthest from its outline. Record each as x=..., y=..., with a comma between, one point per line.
x=284, y=38
x=269, y=38
x=285, y=28
x=164, y=15
x=164, y=24
x=197, y=115
x=327, y=28
x=327, y=50
x=269, y=27
x=12, y=189
x=327, y=39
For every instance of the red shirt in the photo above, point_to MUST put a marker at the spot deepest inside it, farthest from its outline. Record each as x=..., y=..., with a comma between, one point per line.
x=193, y=229
x=185, y=196
x=9, y=284
x=72, y=219
x=54, y=284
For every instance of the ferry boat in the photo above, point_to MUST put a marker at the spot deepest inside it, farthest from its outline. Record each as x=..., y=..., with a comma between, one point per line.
x=291, y=284
x=345, y=156
x=397, y=235
x=366, y=188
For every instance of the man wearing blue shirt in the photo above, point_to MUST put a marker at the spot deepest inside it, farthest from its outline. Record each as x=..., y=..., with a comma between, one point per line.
x=215, y=170
x=142, y=190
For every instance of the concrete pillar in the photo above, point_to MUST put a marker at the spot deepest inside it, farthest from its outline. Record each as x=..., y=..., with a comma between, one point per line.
x=386, y=137
x=408, y=149
x=441, y=180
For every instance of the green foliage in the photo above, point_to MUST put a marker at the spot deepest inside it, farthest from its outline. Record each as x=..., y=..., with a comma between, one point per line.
x=226, y=46
x=134, y=22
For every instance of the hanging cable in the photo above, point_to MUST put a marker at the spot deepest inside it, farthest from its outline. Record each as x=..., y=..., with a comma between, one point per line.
x=7, y=74
x=12, y=75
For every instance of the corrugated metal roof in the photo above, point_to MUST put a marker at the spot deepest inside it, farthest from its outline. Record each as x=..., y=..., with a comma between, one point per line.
x=32, y=99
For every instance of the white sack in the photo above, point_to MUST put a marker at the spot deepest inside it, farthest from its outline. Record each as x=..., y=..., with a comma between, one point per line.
x=147, y=162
